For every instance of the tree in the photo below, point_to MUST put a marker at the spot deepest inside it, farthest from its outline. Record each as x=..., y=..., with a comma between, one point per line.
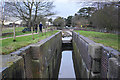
x=3, y=17
x=75, y=20
x=82, y=16
x=86, y=11
x=106, y=17
x=78, y=20
x=50, y=20
x=29, y=11
x=41, y=18
x=59, y=22
x=69, y=21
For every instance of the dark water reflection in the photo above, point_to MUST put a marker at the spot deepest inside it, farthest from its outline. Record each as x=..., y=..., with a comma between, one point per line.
x=66, y=67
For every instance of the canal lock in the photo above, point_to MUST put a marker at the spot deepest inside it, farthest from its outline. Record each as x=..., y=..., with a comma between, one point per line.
x=66, y=69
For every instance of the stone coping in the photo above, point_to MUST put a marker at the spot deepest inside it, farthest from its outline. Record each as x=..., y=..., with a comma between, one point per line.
x=23, y=49
x=110, y=50
x=84, y=38
x=9, y=59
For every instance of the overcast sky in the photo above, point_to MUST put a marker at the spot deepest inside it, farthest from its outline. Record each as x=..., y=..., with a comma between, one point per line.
x=65, y=8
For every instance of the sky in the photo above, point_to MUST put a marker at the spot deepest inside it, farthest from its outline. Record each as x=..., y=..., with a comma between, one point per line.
x=65, y=8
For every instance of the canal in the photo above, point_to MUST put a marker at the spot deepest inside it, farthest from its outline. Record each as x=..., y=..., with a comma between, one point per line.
x=66, y=67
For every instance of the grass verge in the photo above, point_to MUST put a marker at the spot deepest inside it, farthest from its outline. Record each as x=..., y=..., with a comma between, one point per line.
x=6, y=30
x=9, y=46
x=107, y=39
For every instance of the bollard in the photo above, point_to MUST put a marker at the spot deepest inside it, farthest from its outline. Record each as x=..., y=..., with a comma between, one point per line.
x=42, y=33
x=38, y=31
x=45, y=30
x=14, y=37
x=32, y=33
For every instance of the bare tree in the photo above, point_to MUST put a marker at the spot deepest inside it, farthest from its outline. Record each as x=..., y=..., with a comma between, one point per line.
x=2, y=17
x=28, y=11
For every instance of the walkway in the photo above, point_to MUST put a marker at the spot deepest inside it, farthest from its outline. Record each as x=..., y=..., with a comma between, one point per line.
x=20, y=35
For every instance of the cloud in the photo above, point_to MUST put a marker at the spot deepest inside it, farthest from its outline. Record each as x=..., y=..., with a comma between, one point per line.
x=65, y=8
x=61, y=1
x=94, y=0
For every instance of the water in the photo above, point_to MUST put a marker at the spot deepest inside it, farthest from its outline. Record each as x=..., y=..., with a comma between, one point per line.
x=66, y=38
x=66, y=67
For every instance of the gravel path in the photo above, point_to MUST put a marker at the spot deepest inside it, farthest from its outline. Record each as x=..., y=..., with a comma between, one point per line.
x=18, y=36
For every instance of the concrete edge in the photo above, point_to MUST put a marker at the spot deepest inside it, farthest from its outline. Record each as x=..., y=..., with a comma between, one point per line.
x=45, y=40
x=87, y=40
x=112, y=51
x=23, y=49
